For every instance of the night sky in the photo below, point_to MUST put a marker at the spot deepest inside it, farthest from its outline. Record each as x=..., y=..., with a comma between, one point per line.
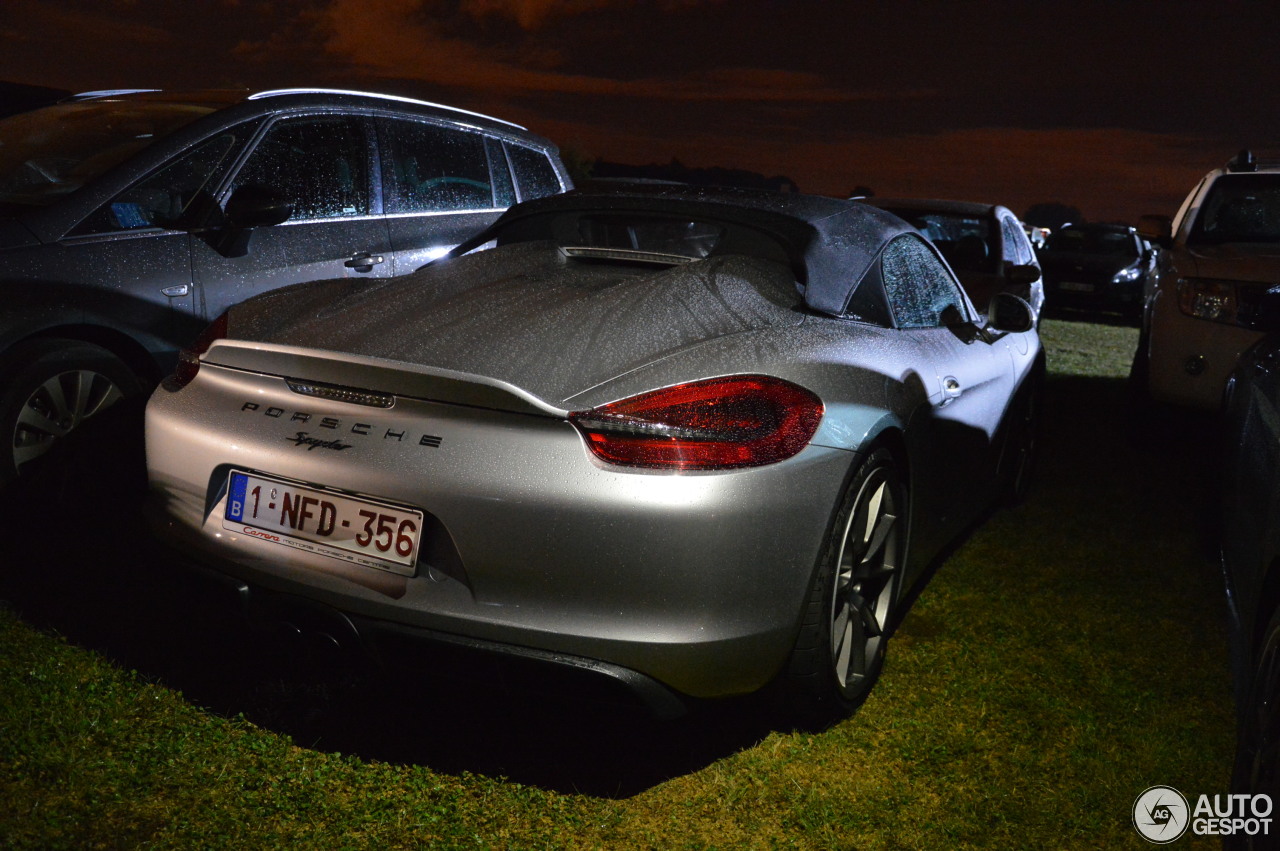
x=1116, y=108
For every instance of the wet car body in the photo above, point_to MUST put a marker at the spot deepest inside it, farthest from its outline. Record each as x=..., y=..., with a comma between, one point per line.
x=1097, y=267
x=509, y=396
x=1250, y=548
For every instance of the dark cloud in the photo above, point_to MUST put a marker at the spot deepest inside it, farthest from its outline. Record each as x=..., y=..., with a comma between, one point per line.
x=1115, y=108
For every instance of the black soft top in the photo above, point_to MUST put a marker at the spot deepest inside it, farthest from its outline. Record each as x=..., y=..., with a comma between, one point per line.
x=830, y=244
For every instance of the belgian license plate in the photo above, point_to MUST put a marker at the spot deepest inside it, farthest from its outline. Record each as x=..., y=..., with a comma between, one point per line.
x=361, y=531
x=1076, y=287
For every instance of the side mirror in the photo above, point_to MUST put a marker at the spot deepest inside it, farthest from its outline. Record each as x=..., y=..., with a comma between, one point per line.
x=1157, y=229
x=1007, y=312
x=255, y=206
x=1021, y=275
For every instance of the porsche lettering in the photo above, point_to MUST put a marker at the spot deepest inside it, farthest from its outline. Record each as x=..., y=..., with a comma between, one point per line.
x=303, y=438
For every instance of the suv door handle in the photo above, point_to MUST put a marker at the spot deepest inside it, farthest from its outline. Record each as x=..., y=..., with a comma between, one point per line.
x=364, y=261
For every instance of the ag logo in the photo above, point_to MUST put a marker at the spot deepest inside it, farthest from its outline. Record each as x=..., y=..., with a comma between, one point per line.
x=1161, y=815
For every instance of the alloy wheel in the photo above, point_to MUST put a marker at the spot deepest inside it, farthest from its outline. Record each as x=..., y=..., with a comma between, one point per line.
x=864, y=585
x=56, y=407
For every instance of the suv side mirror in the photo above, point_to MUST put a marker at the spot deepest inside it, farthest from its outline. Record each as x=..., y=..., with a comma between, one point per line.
x=251, y=206
x=254, y=206
x=1007, y=312
x=1157, y=229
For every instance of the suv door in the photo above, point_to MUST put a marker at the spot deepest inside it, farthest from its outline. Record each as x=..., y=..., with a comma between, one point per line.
x=128, y=264
x=323, y=165
x=441, y=185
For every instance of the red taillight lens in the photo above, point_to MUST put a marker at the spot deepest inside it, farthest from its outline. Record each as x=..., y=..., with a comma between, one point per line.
x=716, y=424
x=189, y=358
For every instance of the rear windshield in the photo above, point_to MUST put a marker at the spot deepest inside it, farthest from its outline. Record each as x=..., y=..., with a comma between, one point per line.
x=1239, y=208
x=644, y=238
x=676, y=237
x=51, y=152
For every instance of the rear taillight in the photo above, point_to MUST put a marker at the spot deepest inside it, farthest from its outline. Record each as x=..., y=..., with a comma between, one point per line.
x=716, y=424
x=189, y=358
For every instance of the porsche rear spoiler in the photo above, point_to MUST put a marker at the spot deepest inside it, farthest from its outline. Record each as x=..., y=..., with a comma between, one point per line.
x=360, y=374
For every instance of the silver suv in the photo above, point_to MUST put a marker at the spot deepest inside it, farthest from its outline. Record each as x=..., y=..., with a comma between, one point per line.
x=128, y=220
x=1222, y=252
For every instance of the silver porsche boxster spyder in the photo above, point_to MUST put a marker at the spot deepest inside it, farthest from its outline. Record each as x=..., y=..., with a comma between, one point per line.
x=685, y=443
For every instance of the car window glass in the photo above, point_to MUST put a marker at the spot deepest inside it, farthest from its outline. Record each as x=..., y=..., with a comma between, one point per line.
x=965, y=241
x=1239, y=208
x=1012, y=241
x=1086, y=240
x=320, y=164
x=675, y=237
x=162, y=199
x=535, y=175
x=919, y=287
x=434, y=169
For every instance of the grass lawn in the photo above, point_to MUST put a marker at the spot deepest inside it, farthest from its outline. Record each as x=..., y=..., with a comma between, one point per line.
x=1068, y=655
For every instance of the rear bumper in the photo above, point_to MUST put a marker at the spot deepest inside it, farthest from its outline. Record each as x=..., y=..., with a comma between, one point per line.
x=696, y=581
x=426, y=652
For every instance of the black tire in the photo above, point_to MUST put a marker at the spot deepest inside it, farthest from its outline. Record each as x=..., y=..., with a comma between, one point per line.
x=852, y=602
x=51, y=387
x=1257, y=762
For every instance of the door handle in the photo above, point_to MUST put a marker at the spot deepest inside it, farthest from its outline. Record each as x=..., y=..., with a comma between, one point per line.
x=176, y=291
x=951, y=389
x=364, y=261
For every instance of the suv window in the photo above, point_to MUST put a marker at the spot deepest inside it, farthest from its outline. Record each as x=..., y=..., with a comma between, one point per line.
x=162, y=198
x=319, y=163
x=919, y=287
x=434, y=169
x=1239, y=208
x=535, y=175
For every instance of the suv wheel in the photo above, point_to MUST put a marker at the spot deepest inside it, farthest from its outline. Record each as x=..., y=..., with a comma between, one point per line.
x=50, y=388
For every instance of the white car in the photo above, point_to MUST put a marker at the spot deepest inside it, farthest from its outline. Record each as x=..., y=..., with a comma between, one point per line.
x=1222, y=252
x=687, y=442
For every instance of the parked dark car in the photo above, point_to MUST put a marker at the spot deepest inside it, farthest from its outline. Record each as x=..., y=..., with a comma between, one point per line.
x=1251, y=550
x=1097, y=267
x=129, y=219
x=985, y=244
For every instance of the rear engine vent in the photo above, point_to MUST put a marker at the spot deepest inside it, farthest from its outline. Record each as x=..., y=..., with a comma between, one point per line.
x=353, y=395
